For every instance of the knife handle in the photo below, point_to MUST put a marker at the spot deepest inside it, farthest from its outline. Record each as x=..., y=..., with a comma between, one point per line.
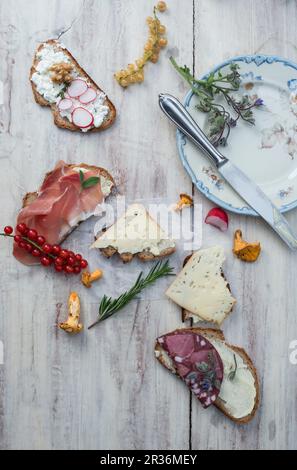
x=178, y=114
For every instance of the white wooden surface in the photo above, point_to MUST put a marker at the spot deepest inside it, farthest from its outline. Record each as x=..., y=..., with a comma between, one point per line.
x=103, y=389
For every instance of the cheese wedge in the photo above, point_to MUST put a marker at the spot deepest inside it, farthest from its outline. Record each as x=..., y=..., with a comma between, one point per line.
x=201, y=289
x=135, y=233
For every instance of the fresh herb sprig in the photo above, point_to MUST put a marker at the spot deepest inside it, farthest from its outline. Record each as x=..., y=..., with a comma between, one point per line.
x=220, y=119
x=108, y=306
x=89, y=182
x=232, y=374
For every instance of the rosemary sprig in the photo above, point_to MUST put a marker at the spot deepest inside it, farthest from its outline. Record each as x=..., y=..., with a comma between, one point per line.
x=220, y=119
x=232, y=374
x=108, y=306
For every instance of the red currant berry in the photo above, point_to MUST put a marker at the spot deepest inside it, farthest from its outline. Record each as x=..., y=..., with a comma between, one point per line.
x=29, y=247
x=71, y=261
x=64, y=254
x=8, y=230
x=59, y=261
x=77, y=269
x=17, y=238
x=36, y=252
x=22, y=228
x=47, y=248
x=40, y=240
x=71, y=254
x=83, y=263
x=22, y=244
x=69, y=269
x=32, y=234
x=45, y=261
x=56, y=249
x=58, y=268
x=78, y=257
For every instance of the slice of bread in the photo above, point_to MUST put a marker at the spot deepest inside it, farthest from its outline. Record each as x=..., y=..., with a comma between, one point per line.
x=60, y=121
x=135, y=233
x=201, y=289
x=231, y=400
x=30, y=197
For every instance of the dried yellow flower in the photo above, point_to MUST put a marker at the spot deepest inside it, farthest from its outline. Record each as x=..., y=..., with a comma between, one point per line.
x=244, y=250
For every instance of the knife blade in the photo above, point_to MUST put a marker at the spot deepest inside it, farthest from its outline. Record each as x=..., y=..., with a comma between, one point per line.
x=239, y=181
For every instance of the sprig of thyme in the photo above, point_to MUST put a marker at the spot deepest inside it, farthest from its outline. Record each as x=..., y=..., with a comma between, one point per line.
x=220, y=119
x=108, y=306
x=232, y=374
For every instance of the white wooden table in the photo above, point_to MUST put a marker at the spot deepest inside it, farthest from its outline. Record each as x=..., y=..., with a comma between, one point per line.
x=104, y=389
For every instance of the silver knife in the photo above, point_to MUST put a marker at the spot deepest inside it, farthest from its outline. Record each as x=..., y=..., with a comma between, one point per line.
x=245, y=187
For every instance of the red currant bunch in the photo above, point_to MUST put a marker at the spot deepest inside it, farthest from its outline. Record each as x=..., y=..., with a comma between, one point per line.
x=63, y=260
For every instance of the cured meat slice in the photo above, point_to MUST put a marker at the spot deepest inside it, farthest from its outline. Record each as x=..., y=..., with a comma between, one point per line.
x=197, y=363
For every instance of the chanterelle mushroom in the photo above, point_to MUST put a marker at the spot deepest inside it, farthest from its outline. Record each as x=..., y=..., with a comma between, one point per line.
x=72, y=324
x=87, y=278
x=244, y=250
x=184, y=201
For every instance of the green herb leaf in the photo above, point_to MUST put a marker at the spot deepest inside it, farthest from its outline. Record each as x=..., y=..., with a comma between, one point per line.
x=232, y=374
x=108, y=306
x=221, y=118
x=81, y=176
x=90, y=182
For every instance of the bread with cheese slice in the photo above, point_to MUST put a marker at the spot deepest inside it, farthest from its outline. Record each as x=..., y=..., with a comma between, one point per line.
x=201, y=288
x=239, y=397
x=135, y=233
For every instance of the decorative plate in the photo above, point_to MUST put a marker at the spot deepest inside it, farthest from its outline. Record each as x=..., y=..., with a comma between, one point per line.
x=267, y=151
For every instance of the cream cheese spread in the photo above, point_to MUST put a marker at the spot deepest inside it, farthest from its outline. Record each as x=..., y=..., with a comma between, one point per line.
x=50, y=55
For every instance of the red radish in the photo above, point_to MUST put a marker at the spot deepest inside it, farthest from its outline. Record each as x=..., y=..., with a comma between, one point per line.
x=218, y=218
x=89, y=96
x=76, y=88
x=64, y=104
x=82, y=118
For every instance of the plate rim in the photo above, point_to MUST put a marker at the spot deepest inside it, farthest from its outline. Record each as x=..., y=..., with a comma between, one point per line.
x=258, y=59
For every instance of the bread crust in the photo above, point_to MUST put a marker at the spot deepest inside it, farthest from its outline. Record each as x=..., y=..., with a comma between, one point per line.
x=61, y=122
x=218, y=334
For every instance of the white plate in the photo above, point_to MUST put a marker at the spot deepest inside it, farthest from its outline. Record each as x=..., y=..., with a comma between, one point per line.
x=266, y=152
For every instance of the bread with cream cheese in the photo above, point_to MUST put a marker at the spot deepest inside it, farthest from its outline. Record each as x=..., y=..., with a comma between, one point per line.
x=60, y=121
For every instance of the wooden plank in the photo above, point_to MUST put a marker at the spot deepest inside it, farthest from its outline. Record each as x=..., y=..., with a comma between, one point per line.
x=264, y=321
x=102, y=389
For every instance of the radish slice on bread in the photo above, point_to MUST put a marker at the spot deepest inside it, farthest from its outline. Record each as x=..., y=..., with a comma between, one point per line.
x=218, y=218
x=65, y=104
x=89, y=96
x=82, y=118
x=77, y=88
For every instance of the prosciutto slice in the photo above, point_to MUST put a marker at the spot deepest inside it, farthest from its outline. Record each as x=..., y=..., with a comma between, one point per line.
x=60, y=205
x=197, y=363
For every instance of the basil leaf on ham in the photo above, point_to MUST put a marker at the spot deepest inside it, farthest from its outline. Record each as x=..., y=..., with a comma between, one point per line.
x=88, y=183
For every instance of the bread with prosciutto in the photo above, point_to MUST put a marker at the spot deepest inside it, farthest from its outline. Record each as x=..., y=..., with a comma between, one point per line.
x=76, y=101
x=61, y=203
